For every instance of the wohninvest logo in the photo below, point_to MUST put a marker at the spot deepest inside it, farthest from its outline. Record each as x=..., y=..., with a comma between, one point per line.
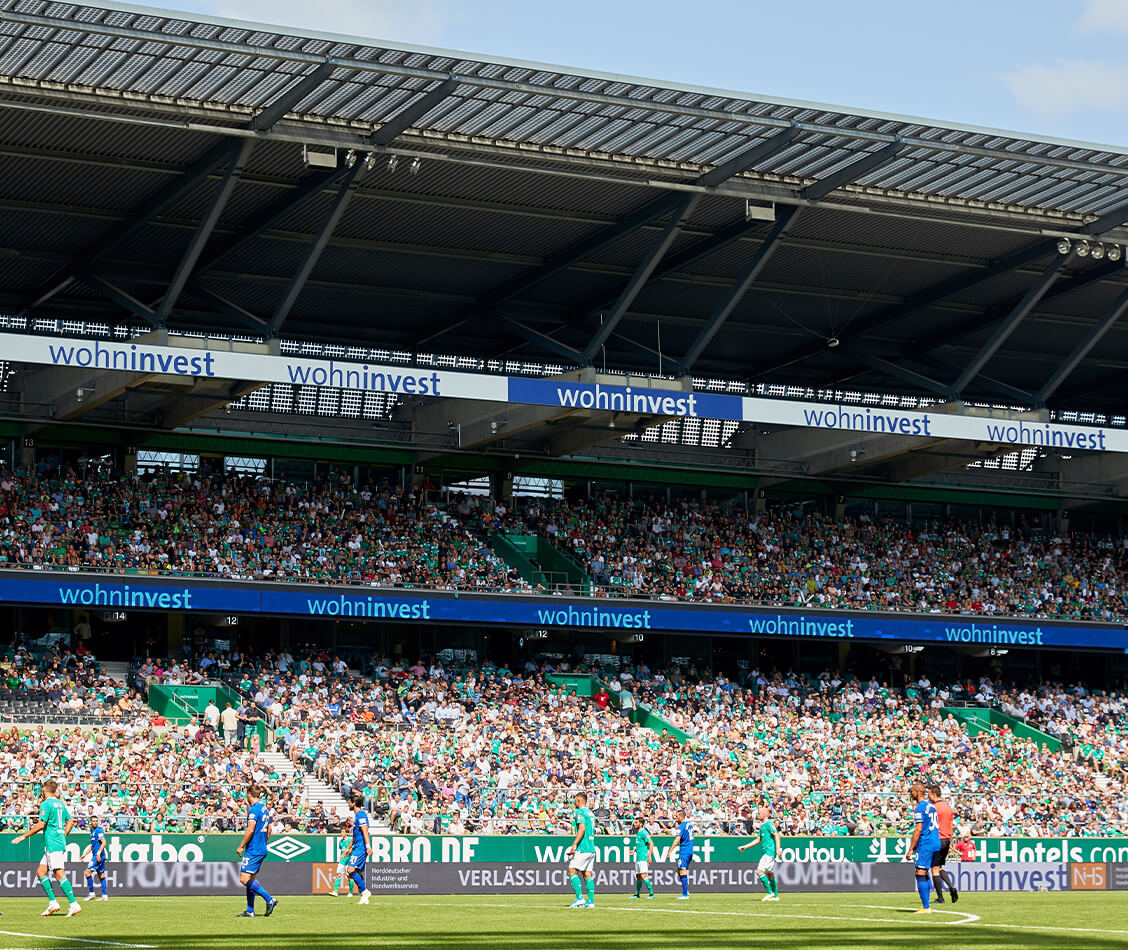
x=121, y=595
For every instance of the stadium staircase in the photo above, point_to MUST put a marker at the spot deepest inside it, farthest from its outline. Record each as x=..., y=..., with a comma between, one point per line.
x=313, y=789
x=540, y=562
x=978, y=719
x=584, y=684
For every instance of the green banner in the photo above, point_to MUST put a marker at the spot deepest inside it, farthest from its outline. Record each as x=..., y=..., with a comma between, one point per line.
x=471, y=849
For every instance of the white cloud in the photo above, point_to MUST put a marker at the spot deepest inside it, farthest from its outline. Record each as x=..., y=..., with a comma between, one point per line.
x=1101, y=16
x=405, y=21
x=1070, y=86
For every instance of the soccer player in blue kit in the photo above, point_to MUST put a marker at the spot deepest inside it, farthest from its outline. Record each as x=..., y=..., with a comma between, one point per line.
x=252, y=849
x=96, y=866
x=361, y=847
x=926, y=842
x=684, y=845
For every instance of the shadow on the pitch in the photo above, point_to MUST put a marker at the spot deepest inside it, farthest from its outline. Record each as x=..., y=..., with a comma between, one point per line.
x=617, y=937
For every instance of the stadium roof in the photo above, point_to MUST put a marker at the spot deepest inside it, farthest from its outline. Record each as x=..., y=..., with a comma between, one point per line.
x=157, y=170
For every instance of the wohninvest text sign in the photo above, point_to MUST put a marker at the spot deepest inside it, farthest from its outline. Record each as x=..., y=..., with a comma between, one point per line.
x=633, y=619
x=191, y=359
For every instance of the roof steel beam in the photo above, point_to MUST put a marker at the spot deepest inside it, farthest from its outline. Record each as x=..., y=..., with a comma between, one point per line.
x=1108, y=221
x=219, y=154
x=933, y=295
x=897, y=370
x=1086, y=344
x=118, y=296
x=641, y=275
x=315, y=249
x=863, y=165
x=578, y=250
x=750, y=157
x=204, y=231
x=751, y=274
x=543, y=340
x=412, y=113
x=1009, y=324
x=291, y=96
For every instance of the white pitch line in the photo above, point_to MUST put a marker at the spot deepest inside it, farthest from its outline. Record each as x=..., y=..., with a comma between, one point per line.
x=100, y=943
x=925, y=922
x=646, y=909
x=968, y=918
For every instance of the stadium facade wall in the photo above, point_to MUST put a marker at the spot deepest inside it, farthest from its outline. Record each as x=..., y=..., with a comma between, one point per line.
x=632, y=618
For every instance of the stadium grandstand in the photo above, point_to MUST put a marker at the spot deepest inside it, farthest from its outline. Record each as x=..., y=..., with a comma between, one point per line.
x=456, y=433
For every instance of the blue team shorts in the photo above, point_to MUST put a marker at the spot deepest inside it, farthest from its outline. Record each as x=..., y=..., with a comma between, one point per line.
x=356, y=862
x=684, y=861
x=924, y=857
x=98, y=867
x=251, y=863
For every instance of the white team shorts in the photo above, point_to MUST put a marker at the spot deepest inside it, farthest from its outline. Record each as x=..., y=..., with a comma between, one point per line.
x=766, y=865
x=642, y=867
x=55, y=860
x=582, y=862
x=342, y=869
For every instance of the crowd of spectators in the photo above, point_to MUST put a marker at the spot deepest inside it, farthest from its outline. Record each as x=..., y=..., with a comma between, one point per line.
x=707, y=552
x=62, y=684
x=495, y=750
x=140, y=778
x=466, y=747
x=329, y=530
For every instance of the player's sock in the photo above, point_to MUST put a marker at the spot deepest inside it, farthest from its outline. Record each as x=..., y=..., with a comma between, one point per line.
x=90, y=882
x=924, y=889
x=45, y=883
x=947, y=878
x=685, y=886
x=938, y=883
x=358, y=879
x=649, y=887
x=638, y=886
x=250, y=899
x=337, y=885
x=589, y=883
x=767, y=884
x=65, y=884
x=257, y=888
x=104, y=883
x=574, y=880
x=775, y=885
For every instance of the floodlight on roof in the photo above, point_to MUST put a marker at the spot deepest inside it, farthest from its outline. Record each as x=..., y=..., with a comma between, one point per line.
x=1098, y=251
x=415, y=165
x=1082, y=248
x=1114, y=252
x=1063, y=246
x=393, y=161
x=369, y=161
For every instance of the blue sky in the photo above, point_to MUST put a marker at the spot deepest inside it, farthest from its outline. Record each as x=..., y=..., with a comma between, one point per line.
x=1052, y=67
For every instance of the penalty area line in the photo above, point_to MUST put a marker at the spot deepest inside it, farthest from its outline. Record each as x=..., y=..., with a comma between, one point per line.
x=82, y=940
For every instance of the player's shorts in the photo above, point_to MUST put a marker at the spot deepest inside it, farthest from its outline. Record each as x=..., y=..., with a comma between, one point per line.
x=685, y=860
x=766, y=865
x=356, y=862
x=582, y=861
x=342, y=868
x=642, y=867
x=97, y=867
x=941, y=857
x=924, y=857
x=251, y=863
x=55, y=860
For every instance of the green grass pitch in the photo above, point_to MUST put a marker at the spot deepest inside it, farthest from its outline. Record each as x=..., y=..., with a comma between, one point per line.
x=1056, y=921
